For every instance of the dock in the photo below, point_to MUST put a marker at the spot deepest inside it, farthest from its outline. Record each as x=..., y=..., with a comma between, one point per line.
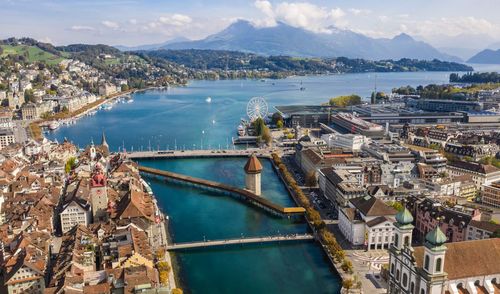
x=240, y=241
x=230, y=190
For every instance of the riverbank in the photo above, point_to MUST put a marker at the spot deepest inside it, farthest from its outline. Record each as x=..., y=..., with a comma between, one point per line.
x=331, y=248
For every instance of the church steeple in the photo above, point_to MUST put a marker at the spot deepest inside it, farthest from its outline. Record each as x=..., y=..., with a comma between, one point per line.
x=92, y=150
x=435, y=251
x=403, y=229
x=104, y=143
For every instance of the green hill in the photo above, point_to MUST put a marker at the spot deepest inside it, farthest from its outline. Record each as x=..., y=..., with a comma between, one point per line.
x=31, y=53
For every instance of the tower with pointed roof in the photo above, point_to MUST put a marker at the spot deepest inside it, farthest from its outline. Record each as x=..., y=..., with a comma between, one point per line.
x=404, y=229
x=253, y=169
x=99, y=195
x=471, y=266
x=92, y=151
x=104, y=143
x=434, y=252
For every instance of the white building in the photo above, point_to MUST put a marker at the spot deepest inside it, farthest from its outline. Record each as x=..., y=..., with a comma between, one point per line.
x=436, y=268
x=75, y=212
x=350, y=142
x=478, y=230
x=6, y=137
x=481, y=174
x=368, y=221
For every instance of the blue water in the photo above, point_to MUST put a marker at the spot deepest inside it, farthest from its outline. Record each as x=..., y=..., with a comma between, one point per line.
x=181, y=116
x=197, y=215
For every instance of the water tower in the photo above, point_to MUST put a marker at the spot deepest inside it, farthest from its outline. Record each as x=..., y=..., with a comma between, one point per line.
x=253, y=168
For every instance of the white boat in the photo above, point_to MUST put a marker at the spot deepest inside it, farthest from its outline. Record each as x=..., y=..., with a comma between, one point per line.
x=209, y=99
x=241, y=130
x=53, y=125
x=130, y=100
x=213, y=121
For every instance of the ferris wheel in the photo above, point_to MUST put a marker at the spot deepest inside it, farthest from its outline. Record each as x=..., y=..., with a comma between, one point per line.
x=257, y=108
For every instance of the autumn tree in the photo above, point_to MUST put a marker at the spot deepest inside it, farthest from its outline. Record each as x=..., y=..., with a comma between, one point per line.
x=311, y=179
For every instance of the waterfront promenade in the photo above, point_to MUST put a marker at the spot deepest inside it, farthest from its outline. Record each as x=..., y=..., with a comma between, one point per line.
x=225, y=242
x=211, y=185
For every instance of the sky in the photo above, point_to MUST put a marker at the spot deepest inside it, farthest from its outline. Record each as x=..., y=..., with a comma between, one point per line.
x=443, y=23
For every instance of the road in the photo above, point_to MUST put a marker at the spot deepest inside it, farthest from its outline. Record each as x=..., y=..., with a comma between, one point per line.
x=20, y=134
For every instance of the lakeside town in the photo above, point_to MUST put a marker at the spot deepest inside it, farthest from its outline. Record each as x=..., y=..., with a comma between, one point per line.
x=395, y=192
x=366, y=176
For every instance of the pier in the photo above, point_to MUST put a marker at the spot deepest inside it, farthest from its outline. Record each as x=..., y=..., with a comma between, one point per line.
x=216, y=186
x=250, y=240
x=197, y=153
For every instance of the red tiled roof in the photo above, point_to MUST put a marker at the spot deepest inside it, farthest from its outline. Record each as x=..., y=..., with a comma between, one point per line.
x=253, y=165
x=468, y=258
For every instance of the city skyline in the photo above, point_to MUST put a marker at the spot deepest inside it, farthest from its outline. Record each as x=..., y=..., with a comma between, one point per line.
x=129, y=22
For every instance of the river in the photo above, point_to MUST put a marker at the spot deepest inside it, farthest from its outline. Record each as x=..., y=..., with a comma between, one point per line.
x=181, y=117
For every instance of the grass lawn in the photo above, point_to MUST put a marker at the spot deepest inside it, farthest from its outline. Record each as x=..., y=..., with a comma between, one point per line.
x=33, y=53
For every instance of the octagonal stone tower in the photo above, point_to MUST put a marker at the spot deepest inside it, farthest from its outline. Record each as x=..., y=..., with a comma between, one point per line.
x=253, y=168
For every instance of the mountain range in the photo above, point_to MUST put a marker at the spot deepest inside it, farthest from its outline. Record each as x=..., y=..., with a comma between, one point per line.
x=486, y=56
x=284, y=39
x=150, y=46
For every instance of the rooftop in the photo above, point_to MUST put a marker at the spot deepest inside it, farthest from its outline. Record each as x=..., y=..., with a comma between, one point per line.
x=468, y=258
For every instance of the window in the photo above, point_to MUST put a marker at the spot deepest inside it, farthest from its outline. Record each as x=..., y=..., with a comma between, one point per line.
x=412, y=288
x=405, y=280
x=396, y=240
x=438, y=264
x=422, y=291
x=392, y=269
x=407, y=241
x=426, y=264
x=397, y=275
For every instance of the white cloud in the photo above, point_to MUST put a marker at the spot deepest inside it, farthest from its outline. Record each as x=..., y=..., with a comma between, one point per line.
x=383, y=18
x=82, y=28
x=337, y=13
x=267, y=9
x=110, y=24
x=46, y=40
x=175, y=20
x=300, y=14
x=133, y=21
x=357, y=12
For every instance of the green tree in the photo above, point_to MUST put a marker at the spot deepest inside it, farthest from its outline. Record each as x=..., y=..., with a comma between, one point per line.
x=396, y=205
x=259, y=126
x=70, y=164
x=276, y=117
x=468, y=158
x=124, y=88
x=344, y=101
x=29, y=96
x=266, y=136
x=279, y=124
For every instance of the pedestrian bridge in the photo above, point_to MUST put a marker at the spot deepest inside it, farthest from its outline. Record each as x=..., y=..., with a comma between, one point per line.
x=264, y=239
x=231, y=190
x=203, y=153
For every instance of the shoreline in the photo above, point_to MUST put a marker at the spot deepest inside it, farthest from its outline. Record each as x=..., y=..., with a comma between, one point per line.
x=342, y=275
